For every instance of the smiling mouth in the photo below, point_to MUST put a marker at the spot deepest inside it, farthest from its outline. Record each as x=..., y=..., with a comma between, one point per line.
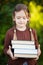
x=21, y=23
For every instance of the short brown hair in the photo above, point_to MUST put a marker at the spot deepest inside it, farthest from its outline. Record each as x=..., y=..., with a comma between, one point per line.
x=19, y=7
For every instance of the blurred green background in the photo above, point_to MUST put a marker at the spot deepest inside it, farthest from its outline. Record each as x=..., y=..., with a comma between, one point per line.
x=36, y=22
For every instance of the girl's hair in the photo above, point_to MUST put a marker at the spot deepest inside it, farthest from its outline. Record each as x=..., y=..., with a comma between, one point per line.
x=19, y=7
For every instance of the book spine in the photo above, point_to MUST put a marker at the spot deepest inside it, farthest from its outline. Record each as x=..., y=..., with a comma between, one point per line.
x=24, y=51
x=21, y=42
x=25, y=55
x=24, y=46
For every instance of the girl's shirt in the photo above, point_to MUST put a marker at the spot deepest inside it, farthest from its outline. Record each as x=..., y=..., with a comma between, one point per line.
x=21, y=35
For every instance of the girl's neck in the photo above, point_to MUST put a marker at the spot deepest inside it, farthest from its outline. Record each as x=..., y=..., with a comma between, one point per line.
x=21, y=29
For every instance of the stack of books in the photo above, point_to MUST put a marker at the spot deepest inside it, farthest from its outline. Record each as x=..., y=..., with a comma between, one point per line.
x=24, y=49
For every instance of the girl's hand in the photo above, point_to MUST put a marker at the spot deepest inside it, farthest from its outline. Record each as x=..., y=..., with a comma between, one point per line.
x=15, y=57
x=37, y=58
x=39, y=53
x=9, y=52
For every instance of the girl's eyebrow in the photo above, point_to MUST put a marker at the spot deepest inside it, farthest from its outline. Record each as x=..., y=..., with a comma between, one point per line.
x=20, y=16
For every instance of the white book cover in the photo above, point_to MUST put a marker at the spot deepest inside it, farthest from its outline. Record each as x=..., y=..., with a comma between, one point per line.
x=25, y=51
x=25, y=55
x=26, y=46
x=21, y=42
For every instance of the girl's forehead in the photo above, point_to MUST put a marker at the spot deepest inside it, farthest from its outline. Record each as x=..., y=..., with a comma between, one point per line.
x=20, y=13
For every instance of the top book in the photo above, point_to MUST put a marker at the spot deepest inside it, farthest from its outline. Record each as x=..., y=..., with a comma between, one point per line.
x=13, y=42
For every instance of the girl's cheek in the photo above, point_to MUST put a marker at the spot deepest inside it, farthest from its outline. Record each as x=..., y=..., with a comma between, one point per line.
x=17, y=20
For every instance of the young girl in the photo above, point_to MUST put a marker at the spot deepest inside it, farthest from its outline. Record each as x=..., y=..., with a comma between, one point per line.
x=20, y=31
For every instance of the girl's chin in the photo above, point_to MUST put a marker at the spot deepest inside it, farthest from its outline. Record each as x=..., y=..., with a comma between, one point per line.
x=21, y=25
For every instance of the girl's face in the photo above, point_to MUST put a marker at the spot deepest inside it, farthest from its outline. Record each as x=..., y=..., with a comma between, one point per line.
x=20, y=18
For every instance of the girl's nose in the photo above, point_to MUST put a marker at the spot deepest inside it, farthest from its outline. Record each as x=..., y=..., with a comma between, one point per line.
x=21, y=19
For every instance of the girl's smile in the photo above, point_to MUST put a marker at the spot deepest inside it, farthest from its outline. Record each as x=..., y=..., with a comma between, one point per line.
x=20, y=19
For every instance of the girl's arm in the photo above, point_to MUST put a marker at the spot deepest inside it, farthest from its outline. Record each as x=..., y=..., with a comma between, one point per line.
x=37, y=45
x=7, y=47
x=6, y=42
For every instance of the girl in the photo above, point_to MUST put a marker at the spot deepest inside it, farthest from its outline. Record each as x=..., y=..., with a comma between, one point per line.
x=20, y=31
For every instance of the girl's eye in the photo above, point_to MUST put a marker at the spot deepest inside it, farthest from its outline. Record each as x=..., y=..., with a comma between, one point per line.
x=18, y=18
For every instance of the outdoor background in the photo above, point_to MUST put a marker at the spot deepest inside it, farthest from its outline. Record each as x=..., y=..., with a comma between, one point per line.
x=36, y=22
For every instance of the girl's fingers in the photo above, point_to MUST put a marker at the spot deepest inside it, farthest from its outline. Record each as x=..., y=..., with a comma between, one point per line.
x=37, y=58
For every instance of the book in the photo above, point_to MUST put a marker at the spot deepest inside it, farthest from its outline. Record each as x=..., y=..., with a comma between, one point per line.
x=21, y=42
x=28, y=46
x=25, y=55
x=25, y=51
